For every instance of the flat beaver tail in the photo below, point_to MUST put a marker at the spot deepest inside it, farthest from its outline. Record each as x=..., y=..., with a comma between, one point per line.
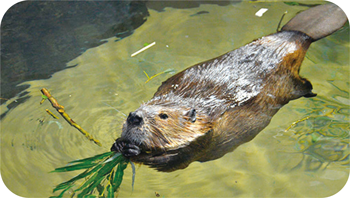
x=318, y=22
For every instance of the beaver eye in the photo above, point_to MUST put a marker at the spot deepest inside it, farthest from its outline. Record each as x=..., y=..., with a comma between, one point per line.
x=192, y=115
x=163, y=116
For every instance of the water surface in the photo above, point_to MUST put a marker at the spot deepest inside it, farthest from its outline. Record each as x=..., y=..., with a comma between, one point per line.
x=304, y=152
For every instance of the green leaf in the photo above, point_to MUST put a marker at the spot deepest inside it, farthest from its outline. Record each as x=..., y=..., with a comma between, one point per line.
x=83, y=163
x=116, y=155
x=94, y=158
x=62, y=186
x=87, y=182
x=74, y=167
x=61, y=194
x=100, y=189
x=104, y=169
x=44, y=97
x=89, y=196
x=108, y=165
x=118, y=176
x=110, y=191
x=91, y=187
x=171, y=71
x=80, y=176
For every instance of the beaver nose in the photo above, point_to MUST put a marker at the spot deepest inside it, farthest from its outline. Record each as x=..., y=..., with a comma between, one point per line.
x=134, y=119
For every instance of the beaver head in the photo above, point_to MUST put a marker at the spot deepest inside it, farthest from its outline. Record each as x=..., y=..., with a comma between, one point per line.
x=156, y=133
x=154, y=127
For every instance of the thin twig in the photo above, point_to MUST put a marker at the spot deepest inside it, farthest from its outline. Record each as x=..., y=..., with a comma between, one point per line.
x=60, y=110
x=143, y=49
x=296, y=122
x=51, y=114
x=155, y=75
x=279, y=24
x=150, y=78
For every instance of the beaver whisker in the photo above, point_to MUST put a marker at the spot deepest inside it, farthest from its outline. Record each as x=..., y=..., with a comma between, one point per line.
x=115, y=109
x=160, y=136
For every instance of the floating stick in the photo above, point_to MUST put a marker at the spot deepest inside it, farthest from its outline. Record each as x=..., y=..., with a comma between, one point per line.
x=296, y=122
x=163, y=72
x=261, y=12
x=143, y=49
x=279, y=24
x=60, y=110
x=51, y=114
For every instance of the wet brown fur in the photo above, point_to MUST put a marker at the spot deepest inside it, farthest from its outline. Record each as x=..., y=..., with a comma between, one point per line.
x=211, y=108
x=214, y=133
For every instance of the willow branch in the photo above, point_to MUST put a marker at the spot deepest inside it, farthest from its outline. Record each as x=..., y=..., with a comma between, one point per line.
x=60, y=110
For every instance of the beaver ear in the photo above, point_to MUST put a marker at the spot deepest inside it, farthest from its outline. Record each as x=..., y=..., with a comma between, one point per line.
x=192, y=115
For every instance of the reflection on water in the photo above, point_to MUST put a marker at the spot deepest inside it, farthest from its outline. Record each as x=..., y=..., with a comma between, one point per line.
x=303, y=152
x=322, y=136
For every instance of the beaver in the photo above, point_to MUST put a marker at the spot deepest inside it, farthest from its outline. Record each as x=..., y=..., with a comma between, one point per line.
x=211, y=108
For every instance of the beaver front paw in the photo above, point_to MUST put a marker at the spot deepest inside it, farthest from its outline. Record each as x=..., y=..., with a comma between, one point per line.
x=126, y=149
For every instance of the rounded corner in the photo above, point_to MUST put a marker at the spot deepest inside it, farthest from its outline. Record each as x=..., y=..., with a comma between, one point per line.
x=8, y=6
x=5, y=191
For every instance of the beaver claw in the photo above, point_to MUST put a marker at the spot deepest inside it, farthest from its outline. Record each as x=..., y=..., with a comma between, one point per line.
x=130, y=150
x=126, y=149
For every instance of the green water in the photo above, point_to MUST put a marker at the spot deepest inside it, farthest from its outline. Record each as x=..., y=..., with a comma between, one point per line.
x=290, y=158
